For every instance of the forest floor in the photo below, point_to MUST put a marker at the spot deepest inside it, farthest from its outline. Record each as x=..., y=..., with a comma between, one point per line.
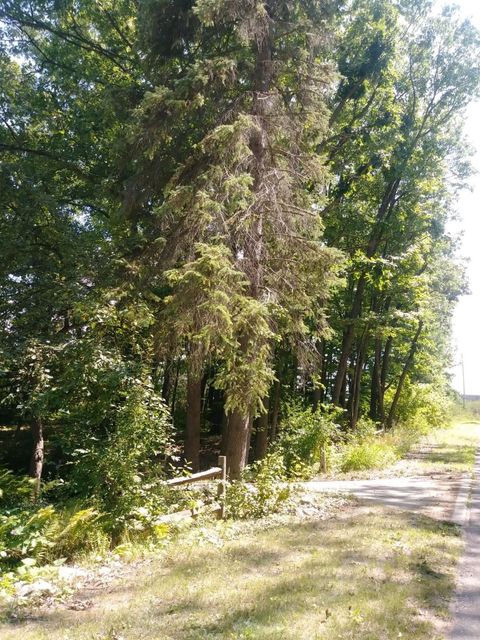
x=334, y=568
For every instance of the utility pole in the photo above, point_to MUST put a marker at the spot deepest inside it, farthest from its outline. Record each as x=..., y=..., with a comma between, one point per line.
x=463, y=381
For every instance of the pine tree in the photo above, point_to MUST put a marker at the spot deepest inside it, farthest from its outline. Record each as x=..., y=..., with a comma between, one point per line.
x=252, y=181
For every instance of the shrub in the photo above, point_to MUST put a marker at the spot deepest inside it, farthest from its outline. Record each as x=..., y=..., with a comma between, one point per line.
x=261, y=491
x=111, y=463
x=422, y=406
x=368, y=454
x=40, y=532
x=45, y=534
x=365, y=430
x=305, y=438
x=14, y=490
x=76, y=531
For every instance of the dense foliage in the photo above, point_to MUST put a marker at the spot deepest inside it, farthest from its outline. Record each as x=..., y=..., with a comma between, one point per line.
x=224, y=228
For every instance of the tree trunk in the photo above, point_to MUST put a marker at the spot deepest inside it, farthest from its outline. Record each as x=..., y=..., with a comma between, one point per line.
x=224, y=439
x=249, y=440
x=406, y=367
x=193, y=424
x=275, y=410
x=383, y=378
x=325, y=372
x=357, y=380
x=318, y=390
x=175, y=386
x=238, y=439
x=379, y=372
x=261, y=437
x=375, y=391
x=215, y=409
x=350, y=380
x=343, y=392
x=240, y=422
x=36, y=461
x=384, y=211
x=167, y=383
x=347, y=340
x=317, y=397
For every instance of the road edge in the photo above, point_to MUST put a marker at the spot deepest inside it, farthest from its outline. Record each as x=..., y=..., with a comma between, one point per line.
x=461, y=510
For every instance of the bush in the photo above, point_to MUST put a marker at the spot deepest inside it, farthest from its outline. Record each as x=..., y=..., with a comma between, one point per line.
x=111, y=464
x=365, y=430
x=45, y=534
x=305, y=437
x=366, y=449
x=39, y=532
x=369, y=454
x=422, y=406
x=14, y=490
x=261, y=491
x=76, y=531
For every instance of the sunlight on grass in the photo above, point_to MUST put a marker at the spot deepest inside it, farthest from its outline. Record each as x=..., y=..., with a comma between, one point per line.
x=454, y=448
x=376, y=575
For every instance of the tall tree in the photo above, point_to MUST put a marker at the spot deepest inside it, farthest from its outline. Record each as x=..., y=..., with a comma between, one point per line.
x=253, y=181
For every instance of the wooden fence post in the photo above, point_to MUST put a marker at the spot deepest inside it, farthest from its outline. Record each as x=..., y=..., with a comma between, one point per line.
x=222, y=488
x=323, y=458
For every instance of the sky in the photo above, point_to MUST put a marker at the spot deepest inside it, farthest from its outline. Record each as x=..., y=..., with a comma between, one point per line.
x=466, y=325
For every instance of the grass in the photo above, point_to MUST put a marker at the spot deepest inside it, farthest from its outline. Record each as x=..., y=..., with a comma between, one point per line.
x=450, y=449
x=366, y=576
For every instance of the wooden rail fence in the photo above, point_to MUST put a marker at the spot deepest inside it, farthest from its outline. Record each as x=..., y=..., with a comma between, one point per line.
x=215, y=472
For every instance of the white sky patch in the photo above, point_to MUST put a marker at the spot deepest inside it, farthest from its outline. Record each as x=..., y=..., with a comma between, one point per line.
x=466, y=326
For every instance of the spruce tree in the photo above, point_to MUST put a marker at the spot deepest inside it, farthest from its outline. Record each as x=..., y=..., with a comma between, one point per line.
x=251, y=180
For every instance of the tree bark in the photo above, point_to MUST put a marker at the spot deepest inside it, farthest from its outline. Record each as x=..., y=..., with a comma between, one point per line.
x=175, y=386
x=238, y=438
x=277, y=389
x=261, y=437
x=383, y=378
x=193, y=423
x=343, y=392
x=249, y=440
x=401, y=382
x=384, y=211
x=325, y=372
x=375, y=391
x=318, y=390
x=347, y=340
x=36, y=461
x=357, y=380
x=224, y=440
x=167, y=383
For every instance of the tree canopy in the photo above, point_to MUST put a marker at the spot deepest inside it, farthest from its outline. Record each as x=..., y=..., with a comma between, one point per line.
x=212, y=209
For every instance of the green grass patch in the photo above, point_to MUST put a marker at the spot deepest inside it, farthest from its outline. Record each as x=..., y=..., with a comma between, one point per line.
x=374, y=575
x=372, y=454
x=453, y=448
x=448, y=449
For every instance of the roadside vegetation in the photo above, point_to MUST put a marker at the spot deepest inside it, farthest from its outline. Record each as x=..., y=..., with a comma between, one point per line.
x=224, y=232
x=296, y=575
x=282, y=577
x=37, y=534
